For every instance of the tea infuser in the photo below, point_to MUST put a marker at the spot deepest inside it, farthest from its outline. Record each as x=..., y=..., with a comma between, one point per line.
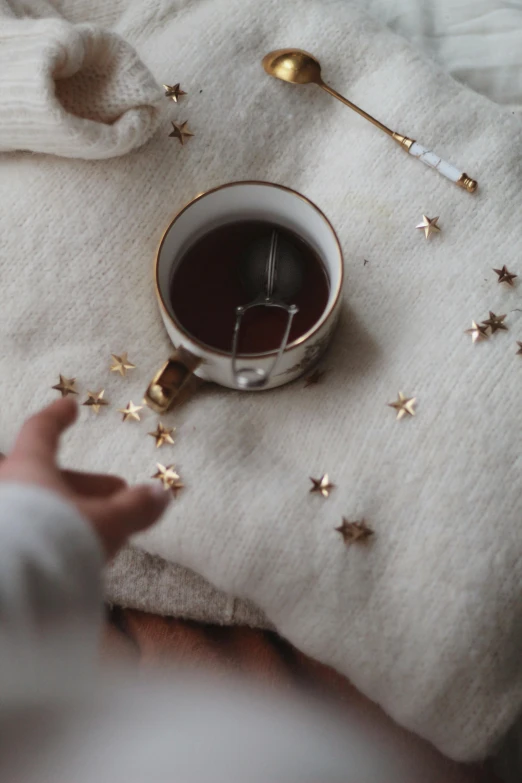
x=272, y=275
x=299, y=67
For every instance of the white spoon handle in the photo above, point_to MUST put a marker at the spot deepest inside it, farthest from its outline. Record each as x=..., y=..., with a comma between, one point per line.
x=448, y=170
x=413, y=147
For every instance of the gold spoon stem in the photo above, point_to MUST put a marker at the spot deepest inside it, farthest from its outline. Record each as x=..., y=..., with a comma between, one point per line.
x=351, y=105
x=299, y=67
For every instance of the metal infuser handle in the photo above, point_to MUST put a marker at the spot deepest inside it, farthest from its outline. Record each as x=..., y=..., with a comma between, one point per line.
x=271, y=267
x=256, y=377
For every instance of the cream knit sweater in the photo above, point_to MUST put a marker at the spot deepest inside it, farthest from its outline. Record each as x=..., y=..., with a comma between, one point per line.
x=78, y=91
x=427, y=619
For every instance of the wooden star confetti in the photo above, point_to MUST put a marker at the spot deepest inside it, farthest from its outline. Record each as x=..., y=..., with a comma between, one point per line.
x=354, y=532
x=180, y=132
x=429, y=226
x=163, y=435
x=404, y=406
x=477, y=332
x=121, y=364
x=66, y=386
x=169, y=478
x=322, y=485
x=131, y=412
x=314, y=378
x=496, y=322
x=95, y=400
x=519, y=352
x=504, y=276
x=174, y=92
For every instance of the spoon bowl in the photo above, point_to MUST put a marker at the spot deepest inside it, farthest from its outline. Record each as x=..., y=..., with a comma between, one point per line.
x=299, y=67
x=293, y=65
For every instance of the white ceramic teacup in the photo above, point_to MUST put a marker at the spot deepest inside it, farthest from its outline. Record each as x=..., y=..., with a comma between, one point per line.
x=225, y=204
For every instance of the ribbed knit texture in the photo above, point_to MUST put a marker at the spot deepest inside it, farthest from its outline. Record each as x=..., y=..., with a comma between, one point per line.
x=427, y=619
x=77, y=91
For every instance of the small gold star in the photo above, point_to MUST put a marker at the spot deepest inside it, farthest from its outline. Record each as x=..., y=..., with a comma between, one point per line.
x=174, y=92
x=169, y=478
x=180, y=132
x=354, y=532
x=504, y=276
x=519, y=352
x=322, y=485
x=121, y=364
x=131, y=412
x=404, y=406
x=429, y=226
x=95, y=400
x=66, y=386
x=163, y=435
x=315, y=378
x=496, y=322
x=477, y=332
x=176, y=487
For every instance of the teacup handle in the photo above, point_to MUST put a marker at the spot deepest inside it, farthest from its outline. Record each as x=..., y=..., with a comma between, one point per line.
x=170, y=380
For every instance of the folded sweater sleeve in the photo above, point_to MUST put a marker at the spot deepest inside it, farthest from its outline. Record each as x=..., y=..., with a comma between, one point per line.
x=77, y=91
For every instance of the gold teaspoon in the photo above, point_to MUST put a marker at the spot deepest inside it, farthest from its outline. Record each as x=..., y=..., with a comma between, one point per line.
x=299, y=67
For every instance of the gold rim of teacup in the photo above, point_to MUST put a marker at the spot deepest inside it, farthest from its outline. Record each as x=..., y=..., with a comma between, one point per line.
x=300, y=340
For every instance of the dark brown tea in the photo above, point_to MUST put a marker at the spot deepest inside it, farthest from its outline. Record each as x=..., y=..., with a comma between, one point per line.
x=209, y=283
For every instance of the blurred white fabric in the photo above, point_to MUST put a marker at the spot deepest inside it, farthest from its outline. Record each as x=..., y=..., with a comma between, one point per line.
x=478, y=41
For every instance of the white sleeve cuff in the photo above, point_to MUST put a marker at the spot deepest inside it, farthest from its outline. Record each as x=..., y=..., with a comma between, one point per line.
x=50, y=560
x=73, y=90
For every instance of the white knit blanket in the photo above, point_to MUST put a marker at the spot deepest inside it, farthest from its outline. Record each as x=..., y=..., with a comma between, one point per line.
x=426, y=620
